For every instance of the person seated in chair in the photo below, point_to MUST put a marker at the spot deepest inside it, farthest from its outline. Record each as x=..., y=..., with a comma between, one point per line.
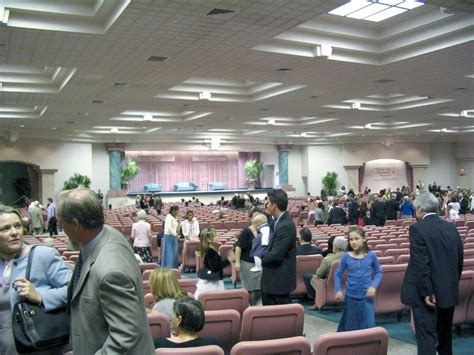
x=188, y=319
x=306, y=247
x=339, y=247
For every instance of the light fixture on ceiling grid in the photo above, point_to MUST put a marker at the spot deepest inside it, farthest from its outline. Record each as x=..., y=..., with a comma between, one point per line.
x=375, y=10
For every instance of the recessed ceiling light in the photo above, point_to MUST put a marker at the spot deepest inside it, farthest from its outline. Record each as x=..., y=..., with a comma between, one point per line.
x=460, y=89
x=82, y=113
x=53, y=128
x=155, y=58
x=97, y=101
x=22, y=126
x=374, y=10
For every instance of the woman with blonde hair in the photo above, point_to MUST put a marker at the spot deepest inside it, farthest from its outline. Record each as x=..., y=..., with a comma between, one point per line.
x=165, y=290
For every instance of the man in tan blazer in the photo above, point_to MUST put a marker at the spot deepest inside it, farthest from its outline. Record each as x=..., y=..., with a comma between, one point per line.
x=105, y=293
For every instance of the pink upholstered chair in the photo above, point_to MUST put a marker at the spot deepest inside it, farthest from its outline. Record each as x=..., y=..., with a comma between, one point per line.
x=373, y=341
x=272, y=322
x=159, y=324
x=188, y=285
x=224, y=324
x=468, y=265
x=396, y=252
x=149, y=300
x=466, y=290
x=403, y=259
x=325, y=288
x=468, y=246
x=294, y=345
x=200, y=350
x=387, y=299
x=387, y=260
x=148, y=266
x=237, y=299
x=223, y=251
x=305, y=263
x=189, y=251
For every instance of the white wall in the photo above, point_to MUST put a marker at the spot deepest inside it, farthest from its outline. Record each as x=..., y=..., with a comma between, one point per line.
x=464, y=153
x=294, y=171
x=66, y=158
x=443, y=167
x=321, y=159
x=100, y=168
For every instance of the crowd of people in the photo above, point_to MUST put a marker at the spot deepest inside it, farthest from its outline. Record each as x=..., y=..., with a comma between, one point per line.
x=105, y=296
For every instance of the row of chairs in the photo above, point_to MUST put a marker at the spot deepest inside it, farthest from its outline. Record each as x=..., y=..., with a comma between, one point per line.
x=373, y=341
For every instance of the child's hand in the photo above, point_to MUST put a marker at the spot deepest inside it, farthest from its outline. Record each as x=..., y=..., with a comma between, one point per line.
x=371, y=292
x=339, y=296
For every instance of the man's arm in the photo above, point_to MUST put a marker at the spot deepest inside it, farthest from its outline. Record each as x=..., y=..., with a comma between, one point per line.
x=421, y=263
x=120, y=305
x=323, y=269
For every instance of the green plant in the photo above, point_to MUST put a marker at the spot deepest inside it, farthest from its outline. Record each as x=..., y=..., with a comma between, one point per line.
x=329, y=182
x=129, y=171
x=77, y=180
x=253, y=169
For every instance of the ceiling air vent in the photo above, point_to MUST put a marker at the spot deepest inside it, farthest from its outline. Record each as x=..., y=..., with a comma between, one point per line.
x=97, y=101
x=155, y=58
x=383, y=81
x=121, y=84
x=222, y=13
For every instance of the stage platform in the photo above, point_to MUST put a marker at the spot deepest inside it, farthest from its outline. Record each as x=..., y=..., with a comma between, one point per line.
x=199, y=193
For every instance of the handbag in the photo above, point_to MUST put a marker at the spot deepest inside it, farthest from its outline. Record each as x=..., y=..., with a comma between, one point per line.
x=208, y=274
x=35, y=329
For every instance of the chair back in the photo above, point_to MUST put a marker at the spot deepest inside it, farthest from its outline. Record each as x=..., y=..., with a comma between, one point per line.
x=304, y=264
x=189, y=251
x=199, y=350
x=372, y=341
x=149, y=300
x=272, y=322
x=466, y=289
x=223, y=251
x=294, y=346
x=223, y=324
x=237, y=299
x=387, y=299
x=159, y=324
x=188, y=285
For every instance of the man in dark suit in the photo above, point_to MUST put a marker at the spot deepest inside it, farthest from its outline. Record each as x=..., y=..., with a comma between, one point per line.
x=279, y=262
x=392, y=207
x=337, y=215
x=306, y=247
x=352, y=211
x=463, y=203
x=377, y=211
x=431, y=281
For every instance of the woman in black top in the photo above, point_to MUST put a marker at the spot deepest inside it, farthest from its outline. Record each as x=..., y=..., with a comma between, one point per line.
x=213, y=263
x=188, y=319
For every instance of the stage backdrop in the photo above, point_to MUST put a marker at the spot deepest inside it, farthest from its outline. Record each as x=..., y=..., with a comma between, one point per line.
x=169, y=168
x=382, y=173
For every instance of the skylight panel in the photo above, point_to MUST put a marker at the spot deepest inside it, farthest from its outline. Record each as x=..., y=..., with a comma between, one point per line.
x=375, y=10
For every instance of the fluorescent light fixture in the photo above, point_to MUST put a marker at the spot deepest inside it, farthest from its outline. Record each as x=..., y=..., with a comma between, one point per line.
x=114, y=130
x=375, y=10
x=271, y=121
x=356, y=105
x=147, y=117
x=215, y=143
x=152, y=129
x=205, y=95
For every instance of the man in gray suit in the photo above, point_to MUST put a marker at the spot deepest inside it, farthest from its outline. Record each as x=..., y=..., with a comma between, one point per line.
x=105, y=293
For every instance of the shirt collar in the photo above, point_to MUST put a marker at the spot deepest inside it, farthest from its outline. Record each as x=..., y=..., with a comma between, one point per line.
x=89, y=247
x=429, y=214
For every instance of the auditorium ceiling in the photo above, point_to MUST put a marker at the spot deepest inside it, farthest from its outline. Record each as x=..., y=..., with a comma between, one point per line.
x=232, y=72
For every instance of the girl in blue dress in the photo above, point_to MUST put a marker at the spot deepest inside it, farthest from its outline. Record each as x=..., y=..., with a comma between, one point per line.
x=361, y=264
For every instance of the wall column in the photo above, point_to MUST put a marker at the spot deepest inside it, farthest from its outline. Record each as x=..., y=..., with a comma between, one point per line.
x=283, y=150
x=419, y=175
x=352, y=172
x=47, y=185
x=115, y=164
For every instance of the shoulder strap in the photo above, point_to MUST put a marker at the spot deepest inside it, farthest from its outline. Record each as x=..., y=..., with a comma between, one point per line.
x=30, y=260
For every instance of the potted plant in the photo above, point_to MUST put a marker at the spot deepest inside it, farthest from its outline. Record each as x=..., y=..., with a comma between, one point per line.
x=329, y=182
x=128, y=172
x=253, y=169
x=77, y=180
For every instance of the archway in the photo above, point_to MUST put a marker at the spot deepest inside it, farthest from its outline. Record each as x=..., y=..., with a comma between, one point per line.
x=18, y=181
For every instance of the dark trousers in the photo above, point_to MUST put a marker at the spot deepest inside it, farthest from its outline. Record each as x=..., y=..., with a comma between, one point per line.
x=307, y=277
x=433, y=326
x=52, y=226
x=379, y=221
x=269, y=299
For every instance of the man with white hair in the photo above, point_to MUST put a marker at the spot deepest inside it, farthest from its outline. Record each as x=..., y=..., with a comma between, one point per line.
x=431, y=281
x=37, y=220
x=338, y=248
